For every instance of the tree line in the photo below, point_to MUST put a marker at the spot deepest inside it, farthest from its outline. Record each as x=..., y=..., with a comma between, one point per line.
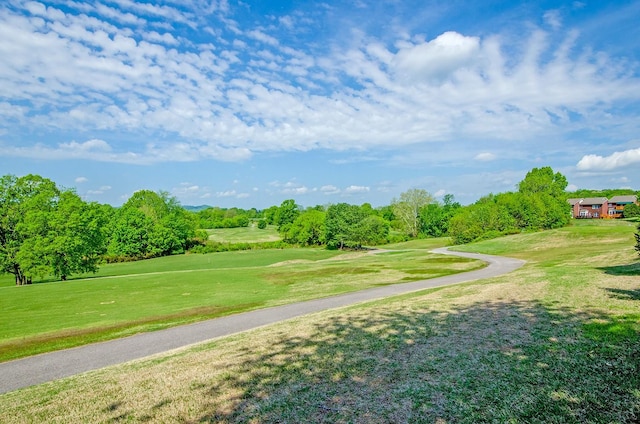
x=49, y=231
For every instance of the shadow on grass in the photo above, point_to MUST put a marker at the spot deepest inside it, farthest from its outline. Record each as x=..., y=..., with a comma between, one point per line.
x=490, y=362
x=625, y=294
x=632, y=269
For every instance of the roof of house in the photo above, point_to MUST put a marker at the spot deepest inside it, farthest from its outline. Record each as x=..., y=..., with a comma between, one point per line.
x=631, y=198
x=586, y=201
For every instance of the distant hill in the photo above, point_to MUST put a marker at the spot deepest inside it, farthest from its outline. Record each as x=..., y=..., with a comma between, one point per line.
x=196, y=208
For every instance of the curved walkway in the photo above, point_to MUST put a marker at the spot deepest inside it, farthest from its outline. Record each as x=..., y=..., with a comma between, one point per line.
x=38, y=369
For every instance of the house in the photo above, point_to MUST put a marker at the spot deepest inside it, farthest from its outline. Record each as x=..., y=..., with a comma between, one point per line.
x=601, y=207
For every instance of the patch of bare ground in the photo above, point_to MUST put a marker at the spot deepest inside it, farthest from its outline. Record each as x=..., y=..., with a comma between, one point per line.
x=291, y=262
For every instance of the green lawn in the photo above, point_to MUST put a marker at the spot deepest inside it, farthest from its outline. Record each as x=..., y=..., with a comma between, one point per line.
x=556, y=341
x=250, y=234
x=125, y=298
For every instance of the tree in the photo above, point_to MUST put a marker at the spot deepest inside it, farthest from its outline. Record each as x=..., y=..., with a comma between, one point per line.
x=72, y=240
x=486, y=218
x=352, y=226
x=637, y=236
x=407, y=209
x=25, y=203
x=340, y=222
x=286, y=213
x=544, y=180
x=631, y=210
x=307, y=229
x=435, y=218
x=150, y=224
x=46, y=231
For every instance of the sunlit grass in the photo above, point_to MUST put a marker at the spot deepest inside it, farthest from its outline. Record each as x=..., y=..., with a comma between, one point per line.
x=126, y=298
x=550, y=342
x=250, y=234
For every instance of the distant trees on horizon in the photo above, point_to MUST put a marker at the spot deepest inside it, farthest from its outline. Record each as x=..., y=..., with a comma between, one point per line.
x=48, y=231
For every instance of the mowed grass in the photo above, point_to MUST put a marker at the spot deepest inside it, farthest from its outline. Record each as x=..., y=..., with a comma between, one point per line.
x=555, y=341
x=127, y=298
x=250, y=234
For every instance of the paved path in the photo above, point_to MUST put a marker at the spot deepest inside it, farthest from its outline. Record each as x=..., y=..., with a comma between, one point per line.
x=64, y=363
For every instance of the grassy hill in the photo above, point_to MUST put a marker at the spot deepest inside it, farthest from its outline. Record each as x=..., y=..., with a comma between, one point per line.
x=127, y=298
x=555, y=341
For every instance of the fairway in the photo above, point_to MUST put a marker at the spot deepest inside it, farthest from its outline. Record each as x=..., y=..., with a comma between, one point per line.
x=126, y=298
x=250, y=234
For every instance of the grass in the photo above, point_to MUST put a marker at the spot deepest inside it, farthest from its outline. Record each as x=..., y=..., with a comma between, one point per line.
x=250, y=234
x=555, y=341
x=128, y=298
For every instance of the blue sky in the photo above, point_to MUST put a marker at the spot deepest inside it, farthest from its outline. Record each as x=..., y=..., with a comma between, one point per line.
x=249, y=103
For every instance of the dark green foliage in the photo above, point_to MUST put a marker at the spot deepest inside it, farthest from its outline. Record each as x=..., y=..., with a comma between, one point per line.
x=211, y=246
x=286, y=214
x=45, y=231
x=149, y=225
x=608, y=193
x=224, y=218
x=306, y=230
x=539, y=204
x=543, y=180
x=262, y=224
x=631, y=211
x=637, y=236
x=435, y=217
x=351, y=226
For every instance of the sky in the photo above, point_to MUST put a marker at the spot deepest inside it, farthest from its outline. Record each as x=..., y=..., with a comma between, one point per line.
x=249, y=103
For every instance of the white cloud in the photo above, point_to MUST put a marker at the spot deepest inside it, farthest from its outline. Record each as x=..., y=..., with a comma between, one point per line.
x=553, y=18
x=81, y=180
x=485, y=157
x=617, y=160
x=329, y=189
x=99, y=191
x=354, y=189
x=438, y=58
x=229, y=193
x=150, y=95
x=440, y=193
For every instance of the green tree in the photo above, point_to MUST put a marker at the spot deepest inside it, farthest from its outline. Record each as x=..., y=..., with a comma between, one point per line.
x=73, y=241
x=407, y=209
x=435, y=218
x=637, y=236
x=340, y=223
x=286, y=213
x=130, y=232
x=150, y=224
x=544, y=180
x=484, y=219
x=352, y=226
x=631, y=210
x=46, y=231
x=307, y=229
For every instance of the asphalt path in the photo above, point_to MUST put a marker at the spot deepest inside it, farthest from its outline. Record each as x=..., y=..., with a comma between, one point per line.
x=46, y=367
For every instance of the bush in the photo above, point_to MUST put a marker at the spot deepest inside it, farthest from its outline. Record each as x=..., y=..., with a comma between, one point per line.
x=262, y=224
x=215, y=246
x=631, y=211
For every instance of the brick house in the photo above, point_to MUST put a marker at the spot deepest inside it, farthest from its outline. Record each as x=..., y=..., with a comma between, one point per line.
x=600, y=207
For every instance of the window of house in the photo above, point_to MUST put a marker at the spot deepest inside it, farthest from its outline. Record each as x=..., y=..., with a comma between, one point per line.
x=595, y=207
